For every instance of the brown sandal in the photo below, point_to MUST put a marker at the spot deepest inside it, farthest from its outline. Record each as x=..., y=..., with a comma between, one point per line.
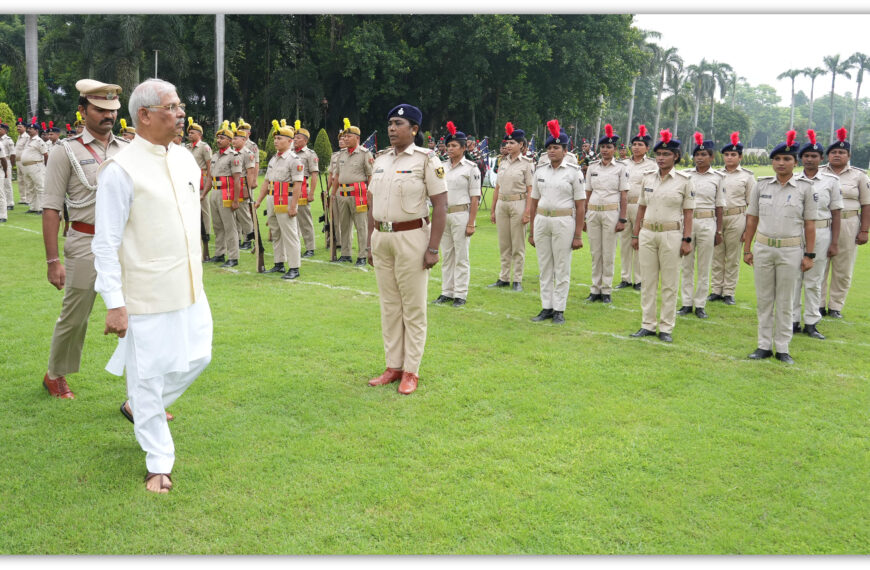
x=163, y=485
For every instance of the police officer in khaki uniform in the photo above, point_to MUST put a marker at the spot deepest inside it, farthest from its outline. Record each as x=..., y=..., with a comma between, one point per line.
x=463, y=197
x=607, y=203
x=71, y=180
x=738, y=186
x=706, y=227
x=9, y=150
x=664, y=216
x=853, y=231
x=226, y=173
x=34, y=157
x=826, y=187
x=353, y=172
x=283, y=182
x=309, y=185
x=202, y=154
x=636, y=164
x=511, y=203
x=331, y=179
x=249, y=143
x=23, y=139
x=555, y=231
x=126, y=132
x=53, y=135
x=4, y=166
x=403, y=244
x=249, y=182
x=782, y=209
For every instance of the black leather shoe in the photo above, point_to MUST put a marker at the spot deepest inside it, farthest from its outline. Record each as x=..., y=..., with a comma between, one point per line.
x=499, y=283
x=760, y=353
x=729, y=300
x=292, y=273
x=458, y=302
x=593, y=297
x=666, y=337
x=345, y=259
x=823, y=311
x=796, y=327
x=360, y=261
x=516, y=286
x=2, y=220
x=636, y=286
x=784, y=357
x=308, y=253
x=714, y=297
x=277, y=268
x=543, y=315
x=684, y=310
x=230, y=263
x=443, y=299
x=246, y=245
x=642, y=333
x=218, y=259
x=834, y=314
x=701, y=313
x=812, y=332
x=558, y=317
x=605, y=298
x=623, y=284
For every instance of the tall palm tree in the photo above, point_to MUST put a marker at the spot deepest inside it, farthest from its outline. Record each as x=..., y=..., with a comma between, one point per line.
x=734, y=80
x=32, y=61
x=859, y=62
x=721, y=74
x=667, y=62
x=680, y=98
x=791, y=74
x=835, y=67
x=812, y=73
x=702, y=83
x=647, y=68
x=219, y=30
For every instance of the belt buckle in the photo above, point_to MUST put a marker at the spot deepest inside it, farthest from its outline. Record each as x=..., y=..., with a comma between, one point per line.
x=386, y=226
x=657, y=227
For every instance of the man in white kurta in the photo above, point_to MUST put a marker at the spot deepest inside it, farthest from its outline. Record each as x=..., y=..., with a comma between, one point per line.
x=147, y=254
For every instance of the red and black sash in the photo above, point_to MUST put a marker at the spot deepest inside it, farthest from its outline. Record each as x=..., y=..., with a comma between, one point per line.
x=358, y=191
x=281, y=194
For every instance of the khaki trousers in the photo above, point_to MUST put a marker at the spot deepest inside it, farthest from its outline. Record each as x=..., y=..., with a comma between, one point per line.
x=553, y=237
x=511, y=238
x=33, y=177
x=285, y=236
x=777, y=269
x=727, y=255
x=306, y=225
x=602, y=246
x=841, y=266
x=402, y=287
x=65, y=355
x=347, y=217
x=455, y=268
x=23, y=188
x=3, y=197
x=659, y=258
x=811, y=281
x=244, y=223
x=630, y=270
x=6, y=187
x=226, y=236
x=703, y=235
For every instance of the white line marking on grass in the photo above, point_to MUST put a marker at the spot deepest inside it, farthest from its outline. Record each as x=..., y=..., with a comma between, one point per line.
x=22, y=229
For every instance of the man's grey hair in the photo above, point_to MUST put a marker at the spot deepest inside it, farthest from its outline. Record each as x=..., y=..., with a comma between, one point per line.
x=147, y=93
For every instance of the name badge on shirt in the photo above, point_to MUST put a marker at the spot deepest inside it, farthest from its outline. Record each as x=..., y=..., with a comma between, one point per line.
x=88, y=161
x=541, y=180
x=594, y=174
x=379, y=170
x=765, y=195
x=647, y=189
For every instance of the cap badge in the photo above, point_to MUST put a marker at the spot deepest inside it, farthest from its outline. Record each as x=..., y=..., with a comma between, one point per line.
x=110, y=96
x=401, y=111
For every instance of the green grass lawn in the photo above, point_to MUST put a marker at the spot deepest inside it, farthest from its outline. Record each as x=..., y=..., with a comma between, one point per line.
x=522, y=438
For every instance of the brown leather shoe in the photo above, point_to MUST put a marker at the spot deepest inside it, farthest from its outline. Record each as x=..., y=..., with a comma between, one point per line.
x=58, y=387
x=389, y=375
x=408, y=383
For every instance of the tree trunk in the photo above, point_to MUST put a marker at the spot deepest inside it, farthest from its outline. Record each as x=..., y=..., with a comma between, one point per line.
x=628, y=129
x=676, y=119
x=812, y=86
x=832, y=106
x=855, y=112
x=598, y=124
x=31, y=55
x=655, y=132
x=219, y=69
x=712, y=118
x=697, y=108
x=791, y=122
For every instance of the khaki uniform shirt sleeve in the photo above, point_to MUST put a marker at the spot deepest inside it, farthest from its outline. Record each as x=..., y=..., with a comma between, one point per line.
x=752, y=208
x=811, y=209
x=367, y=164
x=528, y=174
x=624, y=185
x=750, y=186
x=313, y=163
x=57, y=173
x=689, y=195
x=536, y=192
x=236, y=162
x=435, y=183
x=474, y=181
x=720, y=193
x=641, y=200
x=863, y=189
x=297, y=170
x=577, y=185
x=836, y=196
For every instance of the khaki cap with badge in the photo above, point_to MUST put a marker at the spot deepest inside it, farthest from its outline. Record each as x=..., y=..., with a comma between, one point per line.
x=102, y=95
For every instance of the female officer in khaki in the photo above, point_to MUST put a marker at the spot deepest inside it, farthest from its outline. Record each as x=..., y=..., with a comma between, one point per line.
x=463, y=196
x=402, y=245
x=557, y=221
x=511, y=201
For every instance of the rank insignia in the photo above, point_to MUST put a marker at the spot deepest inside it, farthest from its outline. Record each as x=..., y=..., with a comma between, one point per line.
x=439, y=172
x=300, y=167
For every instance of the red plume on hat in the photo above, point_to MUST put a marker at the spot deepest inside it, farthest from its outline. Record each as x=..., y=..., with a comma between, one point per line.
x=608, y=131
x=553, y=127
x=790, y=137
x=33, y=121
x=68, y=127
x=451, y=128
x=508, y=128
x=641, y=131
x=699, y=139
x=43, y=125
x=812, y=136
x=666, y=136
x=735, y=137
x=841, y=134
x=51, y=124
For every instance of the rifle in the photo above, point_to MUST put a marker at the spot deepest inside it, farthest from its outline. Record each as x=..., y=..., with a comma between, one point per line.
x=258, y=246
x=203, y=232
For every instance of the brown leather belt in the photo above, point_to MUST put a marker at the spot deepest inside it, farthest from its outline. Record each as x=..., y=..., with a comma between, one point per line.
x=400, y=226
x=733, y=211
x=823, y=223
x=701, y=214
x=458, y=208
x=849, y=214
x=83, y=227
x=512, y=197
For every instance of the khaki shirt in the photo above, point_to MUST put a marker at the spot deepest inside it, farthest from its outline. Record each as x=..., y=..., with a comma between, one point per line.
x=782, y=209
x=666, y=198
x=635, y=175
x=34, y=151
x=738, y=186
x=853, y=186
x=201, y=153
x=558, y=188
x=285, y=167
x=606, y=182
x=252, y=146
x=23, y=139
x=514, y=175
x=62, y=179
x=402, y=182
x=827, y=188
x=247, y=159
x=226, y=164
x=708, y=188
x=545, y=160
x=309, y=160
x=356, y=167
x=463, y=181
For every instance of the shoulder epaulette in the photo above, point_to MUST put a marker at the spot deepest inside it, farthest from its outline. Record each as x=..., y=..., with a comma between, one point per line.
x=466, y=161
x=681, y=173
x=820, y=173
x=591, y=162
x=858, y=169
x=722, y=174
x=383, y=151
x=766, y=178
x=571, y=164
x=651, y=171
x=747, y=170
x=528, y=158
x=77, y=137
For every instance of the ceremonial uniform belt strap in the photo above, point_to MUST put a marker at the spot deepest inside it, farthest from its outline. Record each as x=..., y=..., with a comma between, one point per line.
x=226, y=184
x=281, y=194
x=849, y=214
x=359, y=194
x=303, y=192
x=84, y=228
x=777, y=242
x=92, y=151
x=401, y=226
x=662, y=226
x=603, y=207
x=702, y=214
x=457, y=208
x=512, y=197
x=823, y=223
x=633, y=199
x=734, y=211
x=557, y=213
x=31, y=162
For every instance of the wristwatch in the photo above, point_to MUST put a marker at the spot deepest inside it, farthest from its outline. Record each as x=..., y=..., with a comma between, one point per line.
x=687, y=239
x=623, y=221
x=810, y=255
x=432, y=251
